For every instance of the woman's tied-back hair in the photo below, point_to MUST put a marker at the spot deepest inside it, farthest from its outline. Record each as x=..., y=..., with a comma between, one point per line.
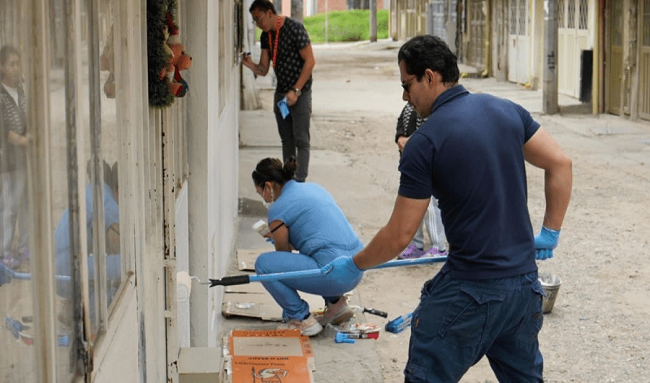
x=110, y=179
x=429, y=52
x=114, y=179
x=262, y=6
x=271, y=169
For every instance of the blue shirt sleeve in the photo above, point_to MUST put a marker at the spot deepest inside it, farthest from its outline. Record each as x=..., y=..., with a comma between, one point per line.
x=530, y=126
x=416, y=168
x=111, y=210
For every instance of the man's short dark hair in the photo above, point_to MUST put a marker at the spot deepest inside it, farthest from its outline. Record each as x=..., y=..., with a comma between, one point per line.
x=429, y=52
x=262, y=6
x=6, y=52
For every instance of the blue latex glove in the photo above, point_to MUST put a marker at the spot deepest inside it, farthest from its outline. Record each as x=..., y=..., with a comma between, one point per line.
x=4, y=275
x=284, y=107
x=342, y=338
x=342, y=269
x=545, y=242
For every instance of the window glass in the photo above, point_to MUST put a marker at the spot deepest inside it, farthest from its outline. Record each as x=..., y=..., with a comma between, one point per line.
x=222, y=57
x=82, y=142
x=110, y=138
x=571, y=15
x=60, y=85
x=85, y=169
x=95, y=173
x=584, y=14
x=513, y=17
x=617, y=23
x=17, y=350
x=522, y=17
x=646, y=23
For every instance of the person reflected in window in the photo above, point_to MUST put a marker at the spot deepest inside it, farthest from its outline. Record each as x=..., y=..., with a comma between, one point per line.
x=112, y=235
x=13, y=161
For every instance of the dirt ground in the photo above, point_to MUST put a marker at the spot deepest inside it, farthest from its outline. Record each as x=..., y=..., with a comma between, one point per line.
x=599, y=328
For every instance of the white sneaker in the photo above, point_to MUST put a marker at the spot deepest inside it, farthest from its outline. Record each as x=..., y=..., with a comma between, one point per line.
x=307, y=327
x=336, y=313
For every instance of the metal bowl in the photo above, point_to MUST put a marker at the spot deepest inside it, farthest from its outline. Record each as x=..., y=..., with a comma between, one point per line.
x=551, y=287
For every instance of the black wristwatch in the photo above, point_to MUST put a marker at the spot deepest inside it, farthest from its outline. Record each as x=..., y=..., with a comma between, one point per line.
x=297, y=92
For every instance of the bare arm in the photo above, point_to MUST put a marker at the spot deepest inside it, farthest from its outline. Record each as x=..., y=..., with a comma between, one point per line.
x=396, y=235
x=401, y=142
x=544, y=152
x=113, y=239
x=262, y=68
x=307, y=55
x=280, y=235
x=17, y=139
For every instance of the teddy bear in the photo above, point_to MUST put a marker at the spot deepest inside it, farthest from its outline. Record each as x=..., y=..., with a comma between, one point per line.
x=178, y=60
x=181, y=61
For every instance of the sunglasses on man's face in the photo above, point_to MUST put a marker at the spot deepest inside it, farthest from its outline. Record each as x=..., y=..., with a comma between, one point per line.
x=407, y=85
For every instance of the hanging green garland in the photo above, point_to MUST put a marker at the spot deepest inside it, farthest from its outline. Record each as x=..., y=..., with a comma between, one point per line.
x=157, y=54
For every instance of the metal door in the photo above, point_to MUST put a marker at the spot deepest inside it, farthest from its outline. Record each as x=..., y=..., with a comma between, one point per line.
x=644, y=64
x=438, y=18
x=614, y=63
x=573, y=32
x=477, y=11
x=518, y=41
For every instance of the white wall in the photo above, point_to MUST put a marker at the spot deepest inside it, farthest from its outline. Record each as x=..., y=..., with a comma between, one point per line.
x=182, y=264
x=212, y=155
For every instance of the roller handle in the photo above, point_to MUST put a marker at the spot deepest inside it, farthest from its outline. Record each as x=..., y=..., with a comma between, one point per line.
x=372, y=311
x=245, y=278
x=410, y=262
x=230, y=280
x=28, y=276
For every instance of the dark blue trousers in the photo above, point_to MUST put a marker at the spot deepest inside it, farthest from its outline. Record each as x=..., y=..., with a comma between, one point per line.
x=459, y=321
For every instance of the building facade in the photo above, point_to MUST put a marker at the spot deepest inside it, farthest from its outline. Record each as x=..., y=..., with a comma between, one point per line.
x=95, y=297
x=602, y=49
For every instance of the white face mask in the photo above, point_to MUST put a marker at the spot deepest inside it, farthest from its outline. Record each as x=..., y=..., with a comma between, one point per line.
x=267, y=205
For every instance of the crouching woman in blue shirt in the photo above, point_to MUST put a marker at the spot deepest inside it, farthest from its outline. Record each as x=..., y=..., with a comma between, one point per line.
x=304, y=216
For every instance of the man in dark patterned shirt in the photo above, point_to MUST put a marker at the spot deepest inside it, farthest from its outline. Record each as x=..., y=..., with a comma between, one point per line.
x=285, y=44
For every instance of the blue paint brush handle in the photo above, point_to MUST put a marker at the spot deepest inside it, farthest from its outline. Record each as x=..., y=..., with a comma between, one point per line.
x=244, y=279
x=11, y=274
x=410, y=262
x=28, y=276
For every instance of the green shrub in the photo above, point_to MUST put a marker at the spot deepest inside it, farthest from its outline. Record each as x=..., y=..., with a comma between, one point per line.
x=353, y=25
x=343, y=26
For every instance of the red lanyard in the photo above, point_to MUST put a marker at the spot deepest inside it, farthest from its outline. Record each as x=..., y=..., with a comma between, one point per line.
x=274, y=49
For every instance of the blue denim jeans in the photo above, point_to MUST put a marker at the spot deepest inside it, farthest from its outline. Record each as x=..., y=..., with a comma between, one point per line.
x=285, y=292
x=13, y=211
x=458, y=322
x=63, y=266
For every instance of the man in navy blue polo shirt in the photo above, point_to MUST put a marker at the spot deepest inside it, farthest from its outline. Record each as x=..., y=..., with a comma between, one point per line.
x=471, y=154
